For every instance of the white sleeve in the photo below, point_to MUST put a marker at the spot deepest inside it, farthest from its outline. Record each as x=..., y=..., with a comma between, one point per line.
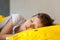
x=17, y=20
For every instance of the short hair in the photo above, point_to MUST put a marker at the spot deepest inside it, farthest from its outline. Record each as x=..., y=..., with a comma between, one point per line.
x=45, y=18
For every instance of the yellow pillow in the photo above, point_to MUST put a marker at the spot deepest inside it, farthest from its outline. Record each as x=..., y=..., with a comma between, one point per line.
x=2, y=18
x=44, y=33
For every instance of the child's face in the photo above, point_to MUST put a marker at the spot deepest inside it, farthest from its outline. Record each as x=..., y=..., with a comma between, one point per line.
x=31, y=23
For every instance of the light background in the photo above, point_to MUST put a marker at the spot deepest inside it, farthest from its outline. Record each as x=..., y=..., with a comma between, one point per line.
x=27, y=8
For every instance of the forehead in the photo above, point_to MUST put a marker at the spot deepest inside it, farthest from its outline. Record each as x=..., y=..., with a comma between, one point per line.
x=35, y=18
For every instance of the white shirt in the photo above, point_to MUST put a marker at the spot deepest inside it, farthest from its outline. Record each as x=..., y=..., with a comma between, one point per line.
x=17, y=20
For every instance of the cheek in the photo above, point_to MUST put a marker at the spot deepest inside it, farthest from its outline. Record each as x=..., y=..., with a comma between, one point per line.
x=23, y=27
x=38, y=25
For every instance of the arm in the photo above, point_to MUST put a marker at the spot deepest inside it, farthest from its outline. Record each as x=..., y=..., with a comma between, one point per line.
x=3, y=37
x=7, y=28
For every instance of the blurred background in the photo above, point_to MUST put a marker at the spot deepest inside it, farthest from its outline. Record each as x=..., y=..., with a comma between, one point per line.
x=4, y=7
x=27, y=8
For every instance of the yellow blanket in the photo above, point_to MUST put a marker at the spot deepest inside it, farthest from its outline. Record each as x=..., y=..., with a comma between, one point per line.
x=2, y=18
x=45, y=33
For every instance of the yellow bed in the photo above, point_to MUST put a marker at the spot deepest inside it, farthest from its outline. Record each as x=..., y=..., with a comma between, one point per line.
x=2, y=18
x=45, y=33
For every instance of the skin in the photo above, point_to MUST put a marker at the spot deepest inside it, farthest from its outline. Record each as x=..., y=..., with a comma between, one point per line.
x=31, y=23
x=7, y=28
